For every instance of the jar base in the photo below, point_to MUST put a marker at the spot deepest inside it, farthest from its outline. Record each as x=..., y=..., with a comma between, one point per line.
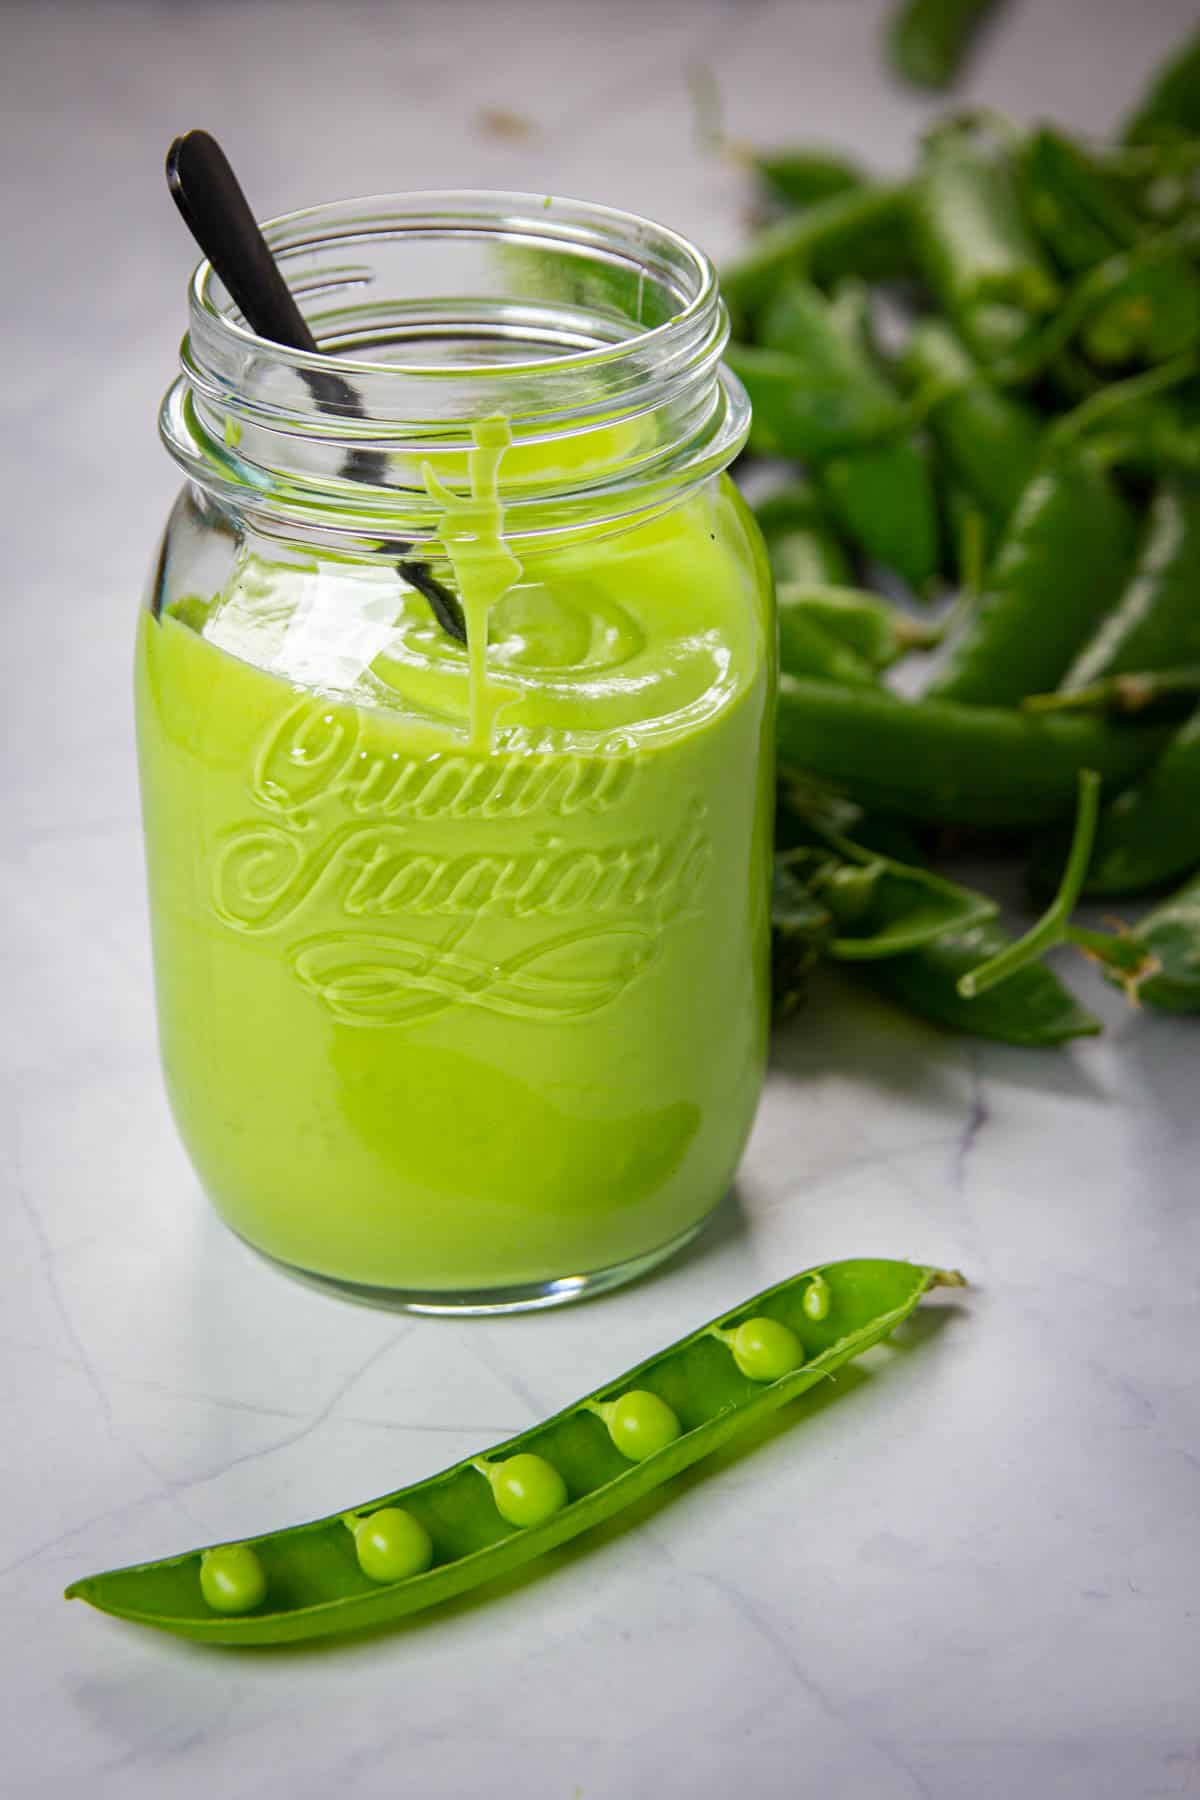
x=534, y=1296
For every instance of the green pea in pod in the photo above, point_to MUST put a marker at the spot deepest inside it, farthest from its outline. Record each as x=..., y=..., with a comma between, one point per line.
x=484, y=1517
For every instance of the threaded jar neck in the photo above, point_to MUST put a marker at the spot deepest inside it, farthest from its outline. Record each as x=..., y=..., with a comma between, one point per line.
x=597, y=335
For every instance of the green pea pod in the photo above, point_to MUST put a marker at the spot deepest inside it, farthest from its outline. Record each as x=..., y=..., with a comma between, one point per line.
x=1147, y=423
x=1158, y=179
x=1117, y=307
x=1069, y=379
x=883, y=498
x=1156, y=624
x=878, y=632
x=1060, y=566
x=880, y=907
x=826, y=341
x=804, y=407
x=883, y=495
x=808, y=648
x=801, y=544
x=1170, y=933
x=804, y=176
x=1151, y=833
x=1073, y=204
x=864, y=232
x=1170, y=107
x=797, y=504
x=1150, y=315
x=1031, y=1008
x=928, y=40
x=975, y=248
x=812, y=555
x=939, y=763
x=1152, y=440
x=989, y=439
x=572, y=1474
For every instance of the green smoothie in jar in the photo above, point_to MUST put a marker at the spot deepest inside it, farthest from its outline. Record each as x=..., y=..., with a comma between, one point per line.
x=461, y=950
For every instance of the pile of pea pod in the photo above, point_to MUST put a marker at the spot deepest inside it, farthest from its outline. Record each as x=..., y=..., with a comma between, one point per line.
x=985, y=380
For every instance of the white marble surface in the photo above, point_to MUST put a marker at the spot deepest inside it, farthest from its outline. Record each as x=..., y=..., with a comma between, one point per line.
x=976, y=1572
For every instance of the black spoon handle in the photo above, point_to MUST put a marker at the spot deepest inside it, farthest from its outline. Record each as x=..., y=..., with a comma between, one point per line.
x=217, y=213
x=210, y=197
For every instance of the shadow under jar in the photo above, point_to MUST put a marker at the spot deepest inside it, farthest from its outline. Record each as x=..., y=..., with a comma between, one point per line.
x=461, y=951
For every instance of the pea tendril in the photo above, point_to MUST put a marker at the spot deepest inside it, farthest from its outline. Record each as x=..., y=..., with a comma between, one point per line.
x=1053, y=926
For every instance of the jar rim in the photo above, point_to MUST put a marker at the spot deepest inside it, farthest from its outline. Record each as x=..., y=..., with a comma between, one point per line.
x=437, y=211
x=337, y=442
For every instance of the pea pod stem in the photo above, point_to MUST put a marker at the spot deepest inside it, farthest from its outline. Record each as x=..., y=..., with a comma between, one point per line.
x=1130, y=692
x=1051, y=928
x=1117, y=396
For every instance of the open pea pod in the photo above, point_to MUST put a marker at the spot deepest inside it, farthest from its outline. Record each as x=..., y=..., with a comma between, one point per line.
x=568, y=1474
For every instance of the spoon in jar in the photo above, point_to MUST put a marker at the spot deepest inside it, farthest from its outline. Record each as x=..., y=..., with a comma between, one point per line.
x=216, y=212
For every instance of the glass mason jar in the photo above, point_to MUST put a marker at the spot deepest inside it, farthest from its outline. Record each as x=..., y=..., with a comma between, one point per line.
x=461, y=949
